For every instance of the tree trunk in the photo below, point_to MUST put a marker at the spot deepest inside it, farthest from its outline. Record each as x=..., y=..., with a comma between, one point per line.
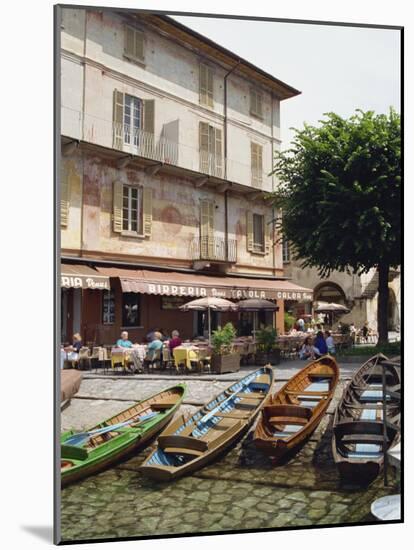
x=383, y=270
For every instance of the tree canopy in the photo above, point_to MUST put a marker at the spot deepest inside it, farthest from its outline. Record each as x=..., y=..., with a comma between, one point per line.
x=340, y=192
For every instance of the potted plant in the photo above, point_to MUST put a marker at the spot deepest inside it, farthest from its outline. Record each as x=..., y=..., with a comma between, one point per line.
x=267, y=349
x=223, y=358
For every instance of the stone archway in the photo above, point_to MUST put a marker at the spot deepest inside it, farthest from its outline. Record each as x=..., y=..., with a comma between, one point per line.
x=329, y=292
x=393, y=315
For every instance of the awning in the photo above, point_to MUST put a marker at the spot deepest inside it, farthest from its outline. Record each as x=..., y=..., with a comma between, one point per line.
x=171, y=283
x=82, y=276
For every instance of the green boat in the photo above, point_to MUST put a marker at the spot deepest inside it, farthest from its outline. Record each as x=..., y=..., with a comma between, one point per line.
x=86, y=453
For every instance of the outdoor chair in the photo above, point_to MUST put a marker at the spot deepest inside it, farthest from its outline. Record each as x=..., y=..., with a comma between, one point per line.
x=152, y=359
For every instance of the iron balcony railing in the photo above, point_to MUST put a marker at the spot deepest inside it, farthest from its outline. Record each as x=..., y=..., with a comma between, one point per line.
x=134, y=141
x=214, y=249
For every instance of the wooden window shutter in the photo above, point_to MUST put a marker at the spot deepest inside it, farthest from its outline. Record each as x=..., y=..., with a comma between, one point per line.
x=134, y=43
x=256, y=163
x=218, y=152
x=204, y=147
x=129, y=48
x=149, y=116
x=268, y=230
x=249, y=231
x=203, y=84
x=259, y=104
x=210, y=93
x=118, y=119
x=139, y=45
x=117, y=206
x=147, y=211
x=64, y=197
x=207, y=228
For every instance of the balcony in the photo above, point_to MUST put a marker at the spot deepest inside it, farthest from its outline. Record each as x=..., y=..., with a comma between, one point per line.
x=213, y=249
x=162, y=148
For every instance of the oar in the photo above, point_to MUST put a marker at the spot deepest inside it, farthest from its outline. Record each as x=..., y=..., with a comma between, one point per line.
x=213, y=412
x=79, y=438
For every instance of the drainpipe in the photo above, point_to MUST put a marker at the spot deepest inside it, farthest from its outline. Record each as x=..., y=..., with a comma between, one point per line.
x=226, y=220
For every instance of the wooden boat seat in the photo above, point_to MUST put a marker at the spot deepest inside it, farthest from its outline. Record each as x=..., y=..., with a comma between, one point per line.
x=362, y=438
x=287, y=410
x=287, y=420
x=251, y=395
x=182, y=442
x=233, y=415
x=308, y=393
x=163, y=405
x=350, y=427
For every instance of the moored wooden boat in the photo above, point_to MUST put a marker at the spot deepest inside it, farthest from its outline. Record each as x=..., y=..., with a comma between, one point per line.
x=103, y=445
x=358, y=429
x=187, y=445
x=293, y=413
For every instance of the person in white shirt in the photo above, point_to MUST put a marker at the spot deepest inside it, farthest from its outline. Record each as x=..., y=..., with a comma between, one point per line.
x=330, y=342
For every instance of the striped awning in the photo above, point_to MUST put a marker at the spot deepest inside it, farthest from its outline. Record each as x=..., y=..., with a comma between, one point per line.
x=170, y=283
x=82, y=276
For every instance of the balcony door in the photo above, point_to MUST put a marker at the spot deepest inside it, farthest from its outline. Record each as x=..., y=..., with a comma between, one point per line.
x=132, y=120
x=211, y=159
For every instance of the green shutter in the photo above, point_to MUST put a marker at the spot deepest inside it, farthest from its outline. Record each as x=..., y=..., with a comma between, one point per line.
x=117, y=206
x=147, y=211
x=118, y=118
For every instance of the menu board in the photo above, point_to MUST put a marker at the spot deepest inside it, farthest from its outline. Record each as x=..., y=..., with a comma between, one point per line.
x=173, y=302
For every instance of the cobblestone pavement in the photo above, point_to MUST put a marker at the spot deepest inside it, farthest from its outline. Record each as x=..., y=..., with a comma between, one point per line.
x=241, y=490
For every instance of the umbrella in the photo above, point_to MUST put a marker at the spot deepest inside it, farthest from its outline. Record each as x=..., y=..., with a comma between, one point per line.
x=324, y=307
x=209, y=303
x=331, y=308
x=256, y=305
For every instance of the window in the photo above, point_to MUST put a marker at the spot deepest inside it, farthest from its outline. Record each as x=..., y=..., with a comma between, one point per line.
x=207, y=244
x=64, y=196
x=211, y=161
x=108, y=307
x=132, y=209
x=258, y=233
x=206, y=85
x=131, y=311
x=256, y=103
x=285, y=250
x=256, y=164
x=133, y=124
x=134, y=44
x=132, y=119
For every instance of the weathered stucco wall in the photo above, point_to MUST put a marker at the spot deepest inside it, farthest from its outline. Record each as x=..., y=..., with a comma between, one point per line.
x=175, y=215
x=170, y=76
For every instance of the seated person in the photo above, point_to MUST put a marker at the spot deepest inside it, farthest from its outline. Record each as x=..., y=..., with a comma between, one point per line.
x=307, y=351
x=123, y=342
x=71, y=353
x=175, y=340
x=320, y=344
x=330, y=344
x=156, y=343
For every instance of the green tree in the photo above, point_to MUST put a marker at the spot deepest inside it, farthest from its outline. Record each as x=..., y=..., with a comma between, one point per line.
x=340, y=195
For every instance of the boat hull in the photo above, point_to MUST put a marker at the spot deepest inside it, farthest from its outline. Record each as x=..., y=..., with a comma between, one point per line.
x=232, y=433
x=287, y=407
x=127, y=442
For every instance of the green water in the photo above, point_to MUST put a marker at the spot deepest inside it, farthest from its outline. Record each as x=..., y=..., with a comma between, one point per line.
x=241, y=490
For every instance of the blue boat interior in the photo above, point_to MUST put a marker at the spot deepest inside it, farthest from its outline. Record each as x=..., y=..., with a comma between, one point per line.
x=319, y=384
x=200, y=424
